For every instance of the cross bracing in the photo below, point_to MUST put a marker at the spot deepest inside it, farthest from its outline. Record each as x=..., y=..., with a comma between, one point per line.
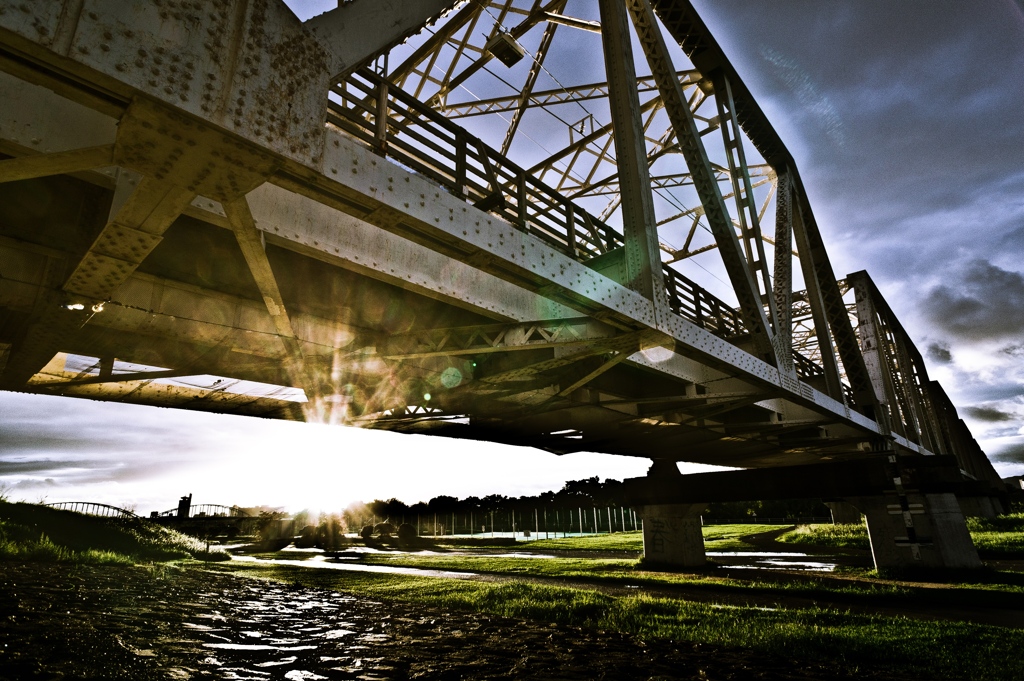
x=475, y=224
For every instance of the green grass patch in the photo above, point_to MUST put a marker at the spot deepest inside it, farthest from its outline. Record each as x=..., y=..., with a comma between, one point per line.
x=850, y=536
x=30, y=532
x=632, y=542
x=716, y=538
x=733, y=537
x=1001, y=537
x=950, y=650
x=999, y=544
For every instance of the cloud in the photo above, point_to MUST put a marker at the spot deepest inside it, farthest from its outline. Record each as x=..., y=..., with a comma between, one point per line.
x=1012, y=454
x=987, y=302
x=989, y=414
x=1013, y=350
x=939, y=352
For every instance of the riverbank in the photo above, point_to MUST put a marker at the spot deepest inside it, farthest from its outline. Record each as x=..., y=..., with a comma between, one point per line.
x=117, y=622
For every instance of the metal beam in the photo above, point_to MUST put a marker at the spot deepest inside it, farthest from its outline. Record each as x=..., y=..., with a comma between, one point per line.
x=639, y=222
x=250, y=240
x=57, y=163
x=356, y=32
x=692, y=148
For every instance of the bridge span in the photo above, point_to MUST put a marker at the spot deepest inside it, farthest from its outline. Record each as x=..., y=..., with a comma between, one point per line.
x=217, y=206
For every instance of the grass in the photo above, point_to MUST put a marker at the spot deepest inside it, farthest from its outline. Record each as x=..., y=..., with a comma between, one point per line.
x=834, y=536
x=948, y=650
x=29, y=532
x=1001, y=537
x=716, y=538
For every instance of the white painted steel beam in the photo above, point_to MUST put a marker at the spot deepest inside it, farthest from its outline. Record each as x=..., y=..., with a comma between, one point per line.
x=356, y=32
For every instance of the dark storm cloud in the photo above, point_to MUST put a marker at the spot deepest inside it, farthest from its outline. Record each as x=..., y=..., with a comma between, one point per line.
x=1013, y=350
x=939, y=352
x=904, y=119
x=985, y=302
x=1012, y=454
x=27, y=438
x=989, y=414
x=36, y=466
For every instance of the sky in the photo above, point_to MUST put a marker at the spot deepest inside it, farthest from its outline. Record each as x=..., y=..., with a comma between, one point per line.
x=906, y=120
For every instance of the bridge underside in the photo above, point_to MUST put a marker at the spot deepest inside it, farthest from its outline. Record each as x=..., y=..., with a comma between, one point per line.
x=288, y=219
x=394, y=353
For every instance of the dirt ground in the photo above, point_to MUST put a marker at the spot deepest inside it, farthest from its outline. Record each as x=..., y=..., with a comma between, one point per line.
x=77, y=622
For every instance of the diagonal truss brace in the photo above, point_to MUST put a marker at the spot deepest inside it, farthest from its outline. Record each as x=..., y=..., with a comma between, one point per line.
x=692, y=148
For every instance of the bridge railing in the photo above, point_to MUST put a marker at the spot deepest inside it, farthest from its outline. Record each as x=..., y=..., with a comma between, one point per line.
x=395, y=124
x=93, y=508
x=208, y=511
x=398, y=125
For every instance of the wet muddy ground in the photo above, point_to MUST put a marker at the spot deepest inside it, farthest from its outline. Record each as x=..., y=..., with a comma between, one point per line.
x=78, y=622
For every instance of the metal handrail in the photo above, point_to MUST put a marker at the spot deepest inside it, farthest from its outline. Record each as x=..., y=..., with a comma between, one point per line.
x=92, y=508
x=395, y=124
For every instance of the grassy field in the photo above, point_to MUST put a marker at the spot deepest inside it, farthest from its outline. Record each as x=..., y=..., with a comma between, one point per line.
x=29, y=532
x=929, y=649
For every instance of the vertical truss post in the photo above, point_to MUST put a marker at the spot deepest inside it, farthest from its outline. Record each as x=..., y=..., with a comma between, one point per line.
x=783, y=285
x=692, y=147
x=743, y=191
x=814, y=257
x=874, y=358
x=381, y=131
x=815, y=298
x=643, y=255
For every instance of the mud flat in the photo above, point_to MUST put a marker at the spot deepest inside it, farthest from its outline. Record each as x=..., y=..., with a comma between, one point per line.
x=118, y=622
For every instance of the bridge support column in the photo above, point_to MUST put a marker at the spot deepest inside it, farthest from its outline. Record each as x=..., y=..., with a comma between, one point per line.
x=930, y=533
x=672, y=534
x=980, y=507
x=843, y=513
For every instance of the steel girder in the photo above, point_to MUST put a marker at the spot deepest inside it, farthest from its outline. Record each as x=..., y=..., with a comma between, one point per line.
x=521, y=277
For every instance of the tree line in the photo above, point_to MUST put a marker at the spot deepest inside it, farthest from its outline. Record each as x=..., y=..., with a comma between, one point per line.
x=588, y=493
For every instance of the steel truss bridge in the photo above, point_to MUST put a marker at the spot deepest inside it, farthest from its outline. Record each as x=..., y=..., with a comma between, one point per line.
x=485, y=219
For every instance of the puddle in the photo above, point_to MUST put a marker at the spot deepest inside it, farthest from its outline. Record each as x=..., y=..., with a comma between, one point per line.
x=325, y=563
x=768, y=560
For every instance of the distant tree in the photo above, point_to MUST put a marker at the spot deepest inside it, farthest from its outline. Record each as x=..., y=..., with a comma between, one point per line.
x=378, y=508
x=330, y=531
x=302, y=518
x=443, y=504
x=269, y=525
x=395, y=509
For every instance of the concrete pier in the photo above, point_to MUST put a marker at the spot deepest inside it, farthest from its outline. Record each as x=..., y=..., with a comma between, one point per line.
x=672, y=534
x=929, y=533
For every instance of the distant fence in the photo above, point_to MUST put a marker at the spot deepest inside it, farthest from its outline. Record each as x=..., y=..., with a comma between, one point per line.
x=94, y=509
x=540, y=522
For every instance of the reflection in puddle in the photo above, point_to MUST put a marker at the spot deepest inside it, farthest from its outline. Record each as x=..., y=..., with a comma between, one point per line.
x=322, y=562
x=244, y=646
x=767, y=560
